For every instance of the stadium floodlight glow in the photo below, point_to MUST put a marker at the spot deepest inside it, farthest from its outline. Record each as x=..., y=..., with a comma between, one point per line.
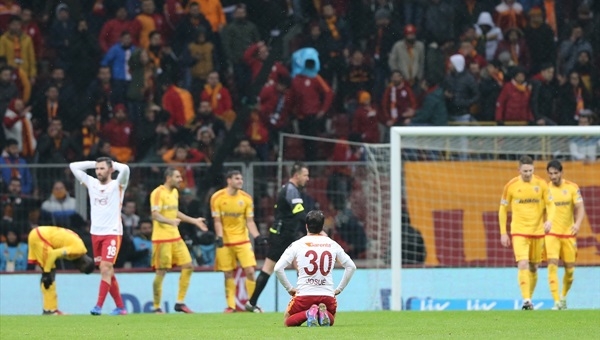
x=454, y=144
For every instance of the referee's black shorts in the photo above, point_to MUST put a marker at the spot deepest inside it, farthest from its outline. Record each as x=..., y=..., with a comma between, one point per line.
x=278, y=243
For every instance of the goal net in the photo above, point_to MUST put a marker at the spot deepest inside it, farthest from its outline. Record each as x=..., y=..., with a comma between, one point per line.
x=448, y=182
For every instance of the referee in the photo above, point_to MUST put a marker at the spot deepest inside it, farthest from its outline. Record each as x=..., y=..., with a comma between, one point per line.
x=289, y=218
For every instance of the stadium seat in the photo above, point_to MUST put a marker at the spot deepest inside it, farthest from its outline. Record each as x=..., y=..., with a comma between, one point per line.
x=591, y=200
x=497, y=255
x=448, y=228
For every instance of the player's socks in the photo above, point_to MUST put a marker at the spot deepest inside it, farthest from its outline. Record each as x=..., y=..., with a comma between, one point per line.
x=103, y=291
x=157, y=290
x=533, y=281
x=49, y=298
x=567, y=281
x=184, y=283
x=230, y=293
x=261, y=283
x=115, y=292
x=553, y=281
x=296, y=319
x=250, y=286
x=525, y=283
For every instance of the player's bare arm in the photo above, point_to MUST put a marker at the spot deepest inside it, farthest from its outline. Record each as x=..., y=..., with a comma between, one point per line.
x=198, y=222
x=579, y=216
x=161, y=219
x=252, y=227
x=218, y=226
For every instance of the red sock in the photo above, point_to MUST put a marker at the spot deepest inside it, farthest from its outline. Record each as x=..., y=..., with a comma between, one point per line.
x=296, y=319
x=104, y=288
x=115, y=292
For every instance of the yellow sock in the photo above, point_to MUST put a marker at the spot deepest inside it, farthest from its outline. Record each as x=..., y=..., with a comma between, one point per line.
x=567, y=281
x=533, y=282
x=157, y=290
x=525, y=283
x=230, y=292
x=49, y=297
x=553, y=281
x=250, y=286
x=184, y=283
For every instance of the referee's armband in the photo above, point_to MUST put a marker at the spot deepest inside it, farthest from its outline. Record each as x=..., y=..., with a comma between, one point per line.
x=298, y=208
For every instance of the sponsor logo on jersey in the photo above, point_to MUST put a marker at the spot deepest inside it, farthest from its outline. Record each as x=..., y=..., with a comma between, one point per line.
x=311, y=244
x=527, y=201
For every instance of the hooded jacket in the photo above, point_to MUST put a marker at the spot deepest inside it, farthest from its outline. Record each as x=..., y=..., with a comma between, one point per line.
x=491, y=38
x=462, y=85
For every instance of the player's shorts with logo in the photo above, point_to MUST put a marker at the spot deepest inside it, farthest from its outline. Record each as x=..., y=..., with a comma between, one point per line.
x=106, y=247
x=528, y=248
x=303, y=303
x=228, y=256
x=167, y=254
x=561, y=247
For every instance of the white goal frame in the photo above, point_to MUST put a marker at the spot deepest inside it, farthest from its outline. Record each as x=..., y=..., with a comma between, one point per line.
x=450, y=131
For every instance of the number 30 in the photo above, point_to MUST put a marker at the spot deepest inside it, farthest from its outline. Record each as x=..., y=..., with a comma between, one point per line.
x=325, y=262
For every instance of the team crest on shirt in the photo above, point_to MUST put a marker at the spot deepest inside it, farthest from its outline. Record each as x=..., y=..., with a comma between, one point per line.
x=536, y=189
x=564, y=192
x=241, y=203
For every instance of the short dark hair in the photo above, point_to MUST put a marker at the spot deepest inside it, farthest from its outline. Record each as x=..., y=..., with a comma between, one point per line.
x=169, y=171
x=11, y=141
x=314, y=221
x=14, y=18
x=144, y=220
x=232, y=173
x=85, y=264
x=297, y=168
x=556, y=164
x=526, y=160
x=108, y=161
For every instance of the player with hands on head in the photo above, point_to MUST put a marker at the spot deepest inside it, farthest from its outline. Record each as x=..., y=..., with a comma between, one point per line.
x=168, y=248
x=561, y=239
x=290, y=217
x=48, y=244
x=233, y=213
x=106, y=198
x=313, y=298
x=529, y=199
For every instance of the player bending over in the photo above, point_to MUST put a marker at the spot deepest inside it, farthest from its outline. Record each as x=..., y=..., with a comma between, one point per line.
x=561, y=242
x=313, y=300
x=48, y=244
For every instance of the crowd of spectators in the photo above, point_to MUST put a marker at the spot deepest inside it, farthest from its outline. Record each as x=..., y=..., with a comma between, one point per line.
x=163, y=81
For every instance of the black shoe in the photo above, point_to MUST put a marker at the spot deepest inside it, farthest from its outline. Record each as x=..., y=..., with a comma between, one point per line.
x=254, y=309
x=181, y=307
x=527, y=305
x=158, y=311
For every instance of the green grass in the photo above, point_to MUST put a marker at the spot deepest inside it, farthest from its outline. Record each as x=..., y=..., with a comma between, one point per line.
x=571, y=324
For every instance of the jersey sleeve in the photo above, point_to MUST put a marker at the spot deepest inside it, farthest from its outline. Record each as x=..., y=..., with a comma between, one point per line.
x=249, y=208
x=295, y=201
x=123, y=177
x=78, y=170
x=155, y=200
x=506, y=195
x=214, y=206
x=285, y=260
x=576, y=194
x=349, y=267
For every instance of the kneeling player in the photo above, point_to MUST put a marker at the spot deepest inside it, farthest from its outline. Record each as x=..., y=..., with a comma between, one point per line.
x=48, y=244
x=313, y=300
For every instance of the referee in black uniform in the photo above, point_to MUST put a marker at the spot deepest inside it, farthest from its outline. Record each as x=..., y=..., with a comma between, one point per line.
x=290, y=217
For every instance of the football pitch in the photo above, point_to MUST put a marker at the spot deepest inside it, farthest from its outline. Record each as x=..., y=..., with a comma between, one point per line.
x=570, y=324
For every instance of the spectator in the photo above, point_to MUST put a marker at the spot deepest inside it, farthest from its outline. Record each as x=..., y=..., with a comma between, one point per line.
x=68, y=93
x=358, y=76
x=408, y=56
x=438, y=22
x=141, y=88
x=365, y=122
x=509, y=14
x=573, y=98
x=488, y=36
x=543, y=94
x=83, y=56
x=385, y=34
x=271, y=101
x=142, y=245
x=206, y=143
x=117, y=58
x=351, y=231
x=188, y=28
x=467, y=13
x=206, y=119
x=202, y=60
x=570, y=48
x=20, y=79
x=238, y=36
x=145, y=23
x=585, y=148
x=17, y=125
x=119, y=132
x=18, y=49
x=539, y=38
x=258, y=134
x=44, y=111
x=339, y=182
x=17, y=208
x=10, y=156
x=100, y=149
x=59, y=207
x=460, y=89
x=433, y=110
x=13, y=253
x=183, y=154
x=131, y=221
x=513, y=102
x=213, y=11
x=514, y=44
x=8, y=89
x=398, y=101
x=99, y=95
x=590, y=77
x=31, y=28
x=179, y=104
x=471, y=56
x=61, y=34
x=87, y=136
x=255, y=58
x=149, y=132
x=219, y=98
x=112, y=30
x=317, y=40
x=338, y=37
x=490, y=86
x=245, y=153
x=8, y=8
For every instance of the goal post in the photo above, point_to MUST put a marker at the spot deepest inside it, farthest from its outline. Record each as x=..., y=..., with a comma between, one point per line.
x=461, y=150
